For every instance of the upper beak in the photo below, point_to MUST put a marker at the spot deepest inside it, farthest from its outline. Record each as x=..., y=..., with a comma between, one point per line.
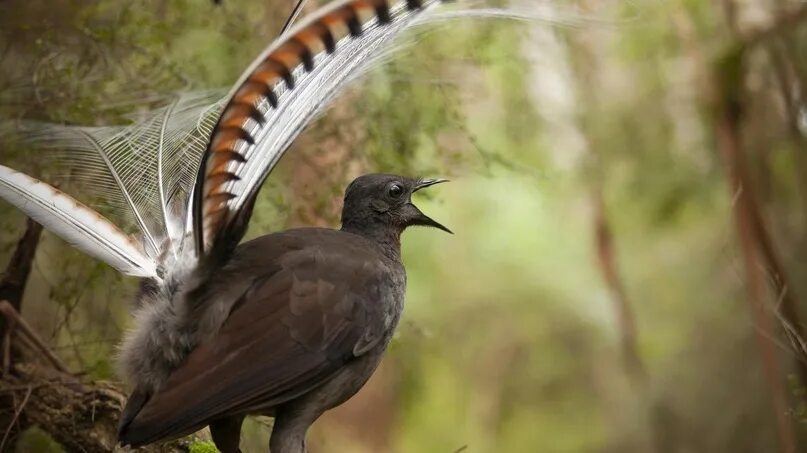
x=423, y=183
x=420, y=217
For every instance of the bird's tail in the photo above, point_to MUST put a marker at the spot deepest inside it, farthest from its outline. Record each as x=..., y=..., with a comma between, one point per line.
x=276, y=97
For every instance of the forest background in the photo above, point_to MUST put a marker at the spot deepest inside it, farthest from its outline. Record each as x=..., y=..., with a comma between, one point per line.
x=629, y=196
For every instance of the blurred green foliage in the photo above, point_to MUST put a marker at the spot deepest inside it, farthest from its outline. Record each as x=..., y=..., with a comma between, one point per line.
x=203, y=447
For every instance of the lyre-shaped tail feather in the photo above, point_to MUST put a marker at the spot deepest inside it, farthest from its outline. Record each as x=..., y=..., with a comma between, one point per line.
x=142, y=172
x=74, y=222
x=284, y=88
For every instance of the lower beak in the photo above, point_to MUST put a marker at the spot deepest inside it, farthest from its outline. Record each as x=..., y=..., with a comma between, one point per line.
x=422, y=219
x=425, y=220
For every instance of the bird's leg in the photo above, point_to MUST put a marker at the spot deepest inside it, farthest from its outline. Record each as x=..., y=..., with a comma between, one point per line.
x=226, y=433
x=289, y=430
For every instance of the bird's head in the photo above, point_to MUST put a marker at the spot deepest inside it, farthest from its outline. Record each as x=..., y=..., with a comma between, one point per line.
x=385, y=201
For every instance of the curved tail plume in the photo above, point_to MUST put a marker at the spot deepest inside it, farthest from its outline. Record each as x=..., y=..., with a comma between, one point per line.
x=276, y=97
x=79, y=225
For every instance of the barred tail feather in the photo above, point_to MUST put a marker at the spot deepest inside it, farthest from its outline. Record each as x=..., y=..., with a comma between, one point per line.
x=276, y=97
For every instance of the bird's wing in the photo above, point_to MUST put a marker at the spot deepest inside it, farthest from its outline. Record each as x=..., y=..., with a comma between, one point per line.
x=276, y=97
x=290, y=333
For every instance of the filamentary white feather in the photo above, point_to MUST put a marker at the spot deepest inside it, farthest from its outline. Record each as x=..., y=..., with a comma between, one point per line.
x=145, y=170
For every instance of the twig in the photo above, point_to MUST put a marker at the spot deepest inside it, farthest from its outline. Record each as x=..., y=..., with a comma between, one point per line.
x=11, y=314
x=16, y=416
x=14, y=388
x=608, y=266
x=796, y=340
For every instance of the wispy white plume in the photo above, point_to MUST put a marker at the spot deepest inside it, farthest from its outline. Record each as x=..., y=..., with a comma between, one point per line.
x=145, y=170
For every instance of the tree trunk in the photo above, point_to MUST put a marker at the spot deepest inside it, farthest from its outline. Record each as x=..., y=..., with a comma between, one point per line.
x=12, y=286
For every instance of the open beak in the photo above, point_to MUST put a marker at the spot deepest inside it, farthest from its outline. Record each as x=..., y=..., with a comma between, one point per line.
x=420, y=218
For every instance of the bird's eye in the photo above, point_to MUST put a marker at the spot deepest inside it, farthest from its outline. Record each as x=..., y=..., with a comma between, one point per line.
x=395, y=190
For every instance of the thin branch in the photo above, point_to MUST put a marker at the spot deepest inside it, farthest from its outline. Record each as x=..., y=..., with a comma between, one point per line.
x=8, y=311
x=728, y=141
x=608, y=266
x=17, y=413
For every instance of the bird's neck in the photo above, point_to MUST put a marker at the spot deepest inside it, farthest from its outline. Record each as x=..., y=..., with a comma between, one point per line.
x=389, y=239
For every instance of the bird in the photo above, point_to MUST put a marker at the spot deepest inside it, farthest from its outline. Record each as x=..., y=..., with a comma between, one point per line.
x=315, y=310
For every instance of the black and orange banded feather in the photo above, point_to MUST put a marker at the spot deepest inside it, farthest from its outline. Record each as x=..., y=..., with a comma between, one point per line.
x=260, y=89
